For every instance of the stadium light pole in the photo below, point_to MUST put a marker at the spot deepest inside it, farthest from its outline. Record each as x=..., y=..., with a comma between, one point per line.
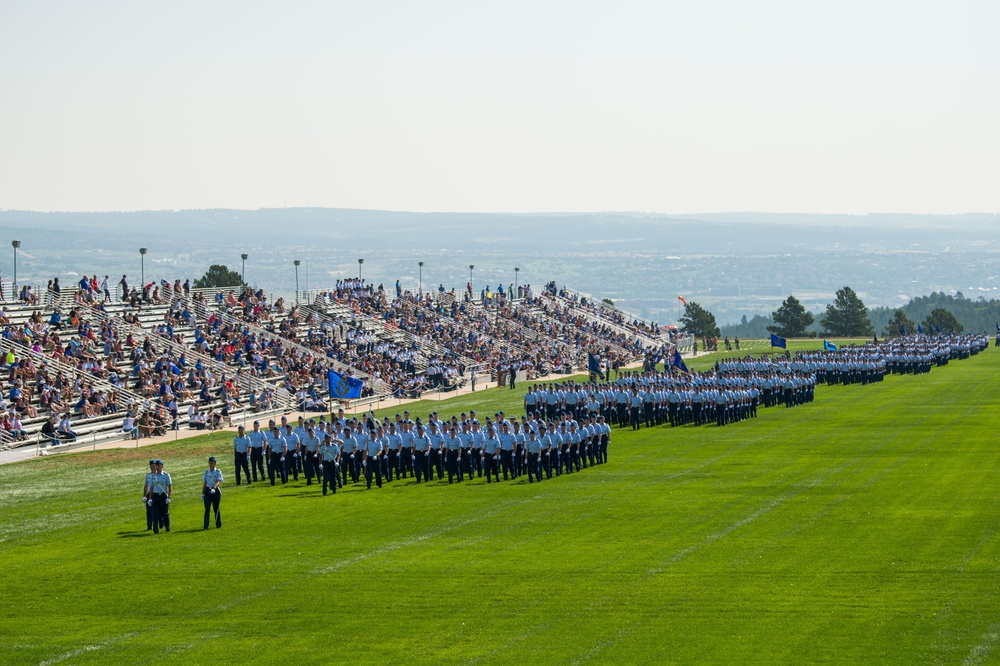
x=142, y=266
x=516, y=271
x=420, y=291
x=360, y=261
x=296, y=262
x=243, y=272
x=14, y=244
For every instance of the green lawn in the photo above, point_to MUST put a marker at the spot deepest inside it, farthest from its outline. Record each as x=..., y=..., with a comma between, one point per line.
x=860, y=528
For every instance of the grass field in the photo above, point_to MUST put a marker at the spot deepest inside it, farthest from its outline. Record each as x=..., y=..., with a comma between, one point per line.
x=860, y=528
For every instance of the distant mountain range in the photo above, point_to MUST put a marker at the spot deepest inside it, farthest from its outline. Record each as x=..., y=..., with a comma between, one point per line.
x=735, y=264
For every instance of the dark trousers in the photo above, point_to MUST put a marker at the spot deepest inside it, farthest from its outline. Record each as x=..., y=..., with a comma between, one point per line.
x=276, y=468
x=437, y=460
x=602, y=456
x=161, y=512
x=241, y=464
x=291, y=465
x=546, y=458
x=405, y=462
x=212, y=501
x=454, y=464
x=392, y=464
x=475, y=462
x=256, y=462
x=149, y=515
x=421, y=466
x=373, y=468
x=490, y=463
x=534, y=468
x=330, y=478
x=507, y=463
x=310, y=465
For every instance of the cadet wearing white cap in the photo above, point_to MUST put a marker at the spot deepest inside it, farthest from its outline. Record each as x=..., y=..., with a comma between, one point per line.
x=211, y=493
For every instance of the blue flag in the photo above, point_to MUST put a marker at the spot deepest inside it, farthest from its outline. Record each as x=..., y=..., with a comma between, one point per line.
x=679, y=362
x=344, y=388
x=594, y=365
x=829, y=346
x=937, y=329
x=998, y=327
x=920, y=329
x=778, y=342
x=902, y=330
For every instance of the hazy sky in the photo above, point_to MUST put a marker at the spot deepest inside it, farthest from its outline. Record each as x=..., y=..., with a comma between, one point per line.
x=509, y=106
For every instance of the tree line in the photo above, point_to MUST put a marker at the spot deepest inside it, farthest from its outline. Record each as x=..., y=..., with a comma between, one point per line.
x=848, y=316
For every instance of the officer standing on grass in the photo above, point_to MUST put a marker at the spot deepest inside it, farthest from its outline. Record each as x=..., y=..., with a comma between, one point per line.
x=160, y=489
x=241, y=448
x=146, y=489
x=258, y=438
x=211, y=493
x=293, y=451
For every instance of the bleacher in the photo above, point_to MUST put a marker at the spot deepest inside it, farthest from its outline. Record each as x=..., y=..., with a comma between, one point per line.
x=219, y=351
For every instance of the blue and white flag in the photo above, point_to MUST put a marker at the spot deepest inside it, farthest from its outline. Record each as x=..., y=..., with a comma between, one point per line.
x=344, y=388
x=679, y=362
x=778, y=342
x=829, y=346
x=920, y=329
x=594, y=365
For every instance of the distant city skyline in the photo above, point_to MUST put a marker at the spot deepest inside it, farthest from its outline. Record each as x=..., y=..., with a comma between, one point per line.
x=516, y=107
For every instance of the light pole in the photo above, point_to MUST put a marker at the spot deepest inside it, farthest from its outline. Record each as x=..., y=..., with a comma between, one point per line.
x=15, y=244
x=296, y=262
x=142, y=264
x=420, y=291
x=243, y=273
x=516, y=271
x=360, y=261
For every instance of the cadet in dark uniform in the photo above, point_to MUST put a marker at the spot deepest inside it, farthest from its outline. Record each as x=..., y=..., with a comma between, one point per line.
x=211, y=493
x=241, y=449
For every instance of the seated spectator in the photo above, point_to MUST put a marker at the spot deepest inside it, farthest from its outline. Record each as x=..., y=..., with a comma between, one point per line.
x=65, y=429
x=48, y=434
x=129, y=427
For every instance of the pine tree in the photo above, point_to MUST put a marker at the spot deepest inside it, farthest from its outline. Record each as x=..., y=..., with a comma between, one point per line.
x=791, y=320
x=847, y=316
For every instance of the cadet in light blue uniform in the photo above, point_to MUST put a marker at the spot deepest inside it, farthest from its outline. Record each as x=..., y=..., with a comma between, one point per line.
x=258, y=439
x=534, y=448
x=310, y=455
x=329, y=450
x=160, y=489
x=211, y=493
x=276, y=456
x=421, y=455
x=372, y=460
x=241, y=449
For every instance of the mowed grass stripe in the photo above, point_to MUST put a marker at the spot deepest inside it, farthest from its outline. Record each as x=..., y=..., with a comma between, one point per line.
x=860, y=527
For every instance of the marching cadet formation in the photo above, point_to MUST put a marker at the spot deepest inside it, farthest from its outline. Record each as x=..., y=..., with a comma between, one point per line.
x=566, y=427
x=735, y=388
